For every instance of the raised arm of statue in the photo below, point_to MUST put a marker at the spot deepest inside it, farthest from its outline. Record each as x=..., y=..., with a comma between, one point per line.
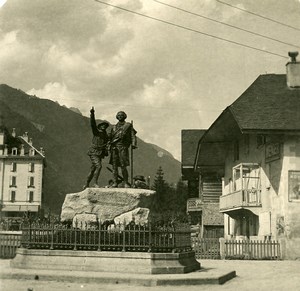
x=93, y=121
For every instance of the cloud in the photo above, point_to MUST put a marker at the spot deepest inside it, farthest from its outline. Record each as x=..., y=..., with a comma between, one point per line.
x=55, y=91
x=83, y=54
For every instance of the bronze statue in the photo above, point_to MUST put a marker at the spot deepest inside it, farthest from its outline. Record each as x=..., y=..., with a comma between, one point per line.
x=121, y=136
x=97, y=150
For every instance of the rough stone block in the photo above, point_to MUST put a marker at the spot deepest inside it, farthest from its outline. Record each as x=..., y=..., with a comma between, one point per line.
x=106, y=203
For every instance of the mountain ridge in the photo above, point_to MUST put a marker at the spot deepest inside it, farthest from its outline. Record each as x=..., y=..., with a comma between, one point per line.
x=66, y=136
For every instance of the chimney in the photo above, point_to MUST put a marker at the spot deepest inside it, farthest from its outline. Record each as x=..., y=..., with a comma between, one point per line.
x=25, y=136
x=5, y=152
x=13, y=132
x=22, y=153
x=293, y=71
x=30, y=141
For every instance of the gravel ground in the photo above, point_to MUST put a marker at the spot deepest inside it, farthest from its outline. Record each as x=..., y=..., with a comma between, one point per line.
x=251, y=275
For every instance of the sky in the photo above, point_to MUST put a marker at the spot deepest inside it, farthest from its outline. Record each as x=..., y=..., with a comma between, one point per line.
x=82, y=53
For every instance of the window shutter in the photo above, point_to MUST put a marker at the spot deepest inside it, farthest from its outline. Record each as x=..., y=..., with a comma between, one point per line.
x=10, y=180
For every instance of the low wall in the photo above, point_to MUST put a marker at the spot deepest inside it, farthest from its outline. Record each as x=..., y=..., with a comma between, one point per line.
x=122, y=262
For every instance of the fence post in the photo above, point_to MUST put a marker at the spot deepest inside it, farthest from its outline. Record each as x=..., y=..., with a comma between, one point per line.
x=99, y=236
x=29, y=238
x=75, y=236
x=282, y=249
x=52, y=236
x=222, y=248
x=124, y=233
x=150, y=237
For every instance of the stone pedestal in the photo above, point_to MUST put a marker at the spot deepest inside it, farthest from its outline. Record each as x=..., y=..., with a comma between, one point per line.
x=119, y=262
x=106, y=203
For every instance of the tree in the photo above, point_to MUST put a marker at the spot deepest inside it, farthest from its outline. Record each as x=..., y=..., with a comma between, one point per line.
x=171, y=200
x=159, y=183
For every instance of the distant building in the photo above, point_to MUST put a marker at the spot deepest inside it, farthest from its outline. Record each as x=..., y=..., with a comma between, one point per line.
x=21, y=175
x=256, y=143
x=204, y=189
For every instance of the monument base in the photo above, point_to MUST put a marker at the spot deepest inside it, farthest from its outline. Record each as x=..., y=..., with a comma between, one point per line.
x=119, y=262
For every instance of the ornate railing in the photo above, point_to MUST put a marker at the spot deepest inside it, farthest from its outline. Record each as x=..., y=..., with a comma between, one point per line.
x=143, y=238
x=194, y=204
x=242, y=198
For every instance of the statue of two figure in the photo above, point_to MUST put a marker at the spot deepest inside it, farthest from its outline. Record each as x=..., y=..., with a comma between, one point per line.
x=116, y=142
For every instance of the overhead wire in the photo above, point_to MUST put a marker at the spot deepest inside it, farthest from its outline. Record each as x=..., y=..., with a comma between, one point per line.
x=191, y=29
x=226, y=24
x=259, y=15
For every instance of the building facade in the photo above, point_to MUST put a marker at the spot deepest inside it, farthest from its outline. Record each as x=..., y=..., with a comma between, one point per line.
x=257, y=141
x=21, y=175
x=204, y=190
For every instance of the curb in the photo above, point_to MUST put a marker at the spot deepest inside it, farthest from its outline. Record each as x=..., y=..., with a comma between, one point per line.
x=199, y=278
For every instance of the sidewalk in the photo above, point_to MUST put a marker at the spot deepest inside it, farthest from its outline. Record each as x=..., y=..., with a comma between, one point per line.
x=251, y=275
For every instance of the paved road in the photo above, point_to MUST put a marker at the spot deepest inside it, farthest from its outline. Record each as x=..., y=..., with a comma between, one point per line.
x=251, y=275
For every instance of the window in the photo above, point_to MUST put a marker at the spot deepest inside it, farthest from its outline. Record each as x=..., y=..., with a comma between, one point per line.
x=31, y=167
x=14, y=151
x=31, y=152
x=246, y=176
x=30, y=196
x=294, y=185
x=236, y=150
x=247, y=144
x=12, y=196
x=260, y=140
x=30, y=181
x=13, y=181
x=13, y=167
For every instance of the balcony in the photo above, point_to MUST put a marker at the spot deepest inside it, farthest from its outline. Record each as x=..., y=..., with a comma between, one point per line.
x=194, y=204
x=240, y=199
x=244, y=189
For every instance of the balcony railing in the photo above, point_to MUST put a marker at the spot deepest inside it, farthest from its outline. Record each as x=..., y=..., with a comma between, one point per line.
x=240, y=199
x=194, y=204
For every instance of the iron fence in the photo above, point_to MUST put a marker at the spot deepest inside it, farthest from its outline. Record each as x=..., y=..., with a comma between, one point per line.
x=150, y=237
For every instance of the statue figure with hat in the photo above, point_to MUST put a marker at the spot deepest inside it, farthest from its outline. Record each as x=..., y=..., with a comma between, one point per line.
x=97, y=150
x=140, y=182
x=121, y=136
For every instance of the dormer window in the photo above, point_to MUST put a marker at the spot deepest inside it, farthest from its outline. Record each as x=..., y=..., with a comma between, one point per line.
x=14, y=151
x=31, y=152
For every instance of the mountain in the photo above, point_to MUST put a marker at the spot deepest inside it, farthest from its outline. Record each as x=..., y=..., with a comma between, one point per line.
x=66, y=136
x=160, y=151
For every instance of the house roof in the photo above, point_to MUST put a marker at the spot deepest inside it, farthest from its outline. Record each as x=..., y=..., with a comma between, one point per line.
x=268, y=105
x=189, y=143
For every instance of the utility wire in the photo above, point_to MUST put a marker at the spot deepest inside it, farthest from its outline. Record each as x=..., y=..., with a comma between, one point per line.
x=192, y=30
x=224, y=23
x=258, y=15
